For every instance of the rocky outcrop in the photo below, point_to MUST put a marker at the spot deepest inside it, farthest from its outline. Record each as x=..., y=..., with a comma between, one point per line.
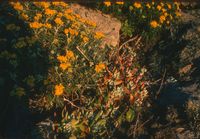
x=105, y=23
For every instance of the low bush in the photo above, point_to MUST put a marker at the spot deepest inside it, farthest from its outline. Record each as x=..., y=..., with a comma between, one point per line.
x=56, y=57
x=144, y=18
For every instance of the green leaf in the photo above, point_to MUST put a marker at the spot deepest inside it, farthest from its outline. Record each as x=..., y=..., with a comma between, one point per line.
x=130, y=115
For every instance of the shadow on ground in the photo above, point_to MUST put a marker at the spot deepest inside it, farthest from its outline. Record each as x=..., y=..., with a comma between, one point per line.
x=20, y=62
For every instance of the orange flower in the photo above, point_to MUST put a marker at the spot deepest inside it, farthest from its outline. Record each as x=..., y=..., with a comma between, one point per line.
x=148, y=5
x=162, y=18
x=99, y=67
x=120, y=2
x=50, y=12
x=169, y=6
x=42, y=4
x=62, y=58
x=107, y=3
x=68, y=11
x=98, y=35
x=137, y=5
x=24, y=16
x=47, y=25
x=59, y=89
x=65, y=66
x=69, y=17
x=70, y=55
x=17, y=6
x=178, y=13
x=60, y=4
x=35, y=25
x=164, y=10
x=59, y=21
x=85, y=39
x=91, y=23
x=154, y=24
x=159, y=7
x=37, y=16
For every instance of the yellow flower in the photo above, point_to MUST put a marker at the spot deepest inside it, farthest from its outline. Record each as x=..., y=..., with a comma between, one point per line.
x=69, y=17
x=99, y=67
x=159, y=7
x=70, y=55
x=137, y=5
x=154, y=24
x=107, y=3
x=42, y=4
x=35, y=25
x=177, y=5
x=47, y=25
x=178, y=13
x=59, y=89
x=65, y=66
x=17, y=6
x=162, y=18
x=170, y=16
x=120, y=2
x=68, y=11
x=148, y=5
x=66, y=31
x=50, y=12
x=73, y=32
x=62, y=58
x=98, y=35
x=164, y=10
x=85, y=39
x=91, y=23
x=165, y=14
x=24, y=16
x=59, y=21
x=60, y=14
x=60, y=4
x=63, y=4
x=56, y=3
x=37, y=16
x=169, y=6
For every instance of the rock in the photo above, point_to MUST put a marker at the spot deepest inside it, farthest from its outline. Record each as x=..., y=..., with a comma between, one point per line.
x=179, y=130
x=106, y=24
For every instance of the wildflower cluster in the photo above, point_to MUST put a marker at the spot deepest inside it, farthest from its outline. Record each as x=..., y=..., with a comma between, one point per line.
x=140, y=17
x=57, y=54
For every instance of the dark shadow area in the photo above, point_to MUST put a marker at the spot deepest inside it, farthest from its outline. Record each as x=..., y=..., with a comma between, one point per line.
x=23, y=67
x=169, y=108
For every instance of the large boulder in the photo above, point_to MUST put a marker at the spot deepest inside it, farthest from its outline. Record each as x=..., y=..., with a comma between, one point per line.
x=105, y=23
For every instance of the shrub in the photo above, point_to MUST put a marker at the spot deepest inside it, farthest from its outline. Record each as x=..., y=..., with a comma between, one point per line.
x=96, y=88
x=144, y=18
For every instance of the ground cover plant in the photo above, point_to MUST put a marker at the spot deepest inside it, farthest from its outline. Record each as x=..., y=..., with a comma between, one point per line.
x=145, y=18
x=55, y=57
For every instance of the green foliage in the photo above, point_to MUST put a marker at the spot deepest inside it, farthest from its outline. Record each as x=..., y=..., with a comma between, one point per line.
x=58, y=58
x=143, y=18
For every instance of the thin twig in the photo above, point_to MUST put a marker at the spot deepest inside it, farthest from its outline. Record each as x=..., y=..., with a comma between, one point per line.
x=65, y=99
x=145, y=122
x=158, y=92
x=138, y=40
x=155, y=82
x=130, y=40
x=82, y=53
x=135, y=128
